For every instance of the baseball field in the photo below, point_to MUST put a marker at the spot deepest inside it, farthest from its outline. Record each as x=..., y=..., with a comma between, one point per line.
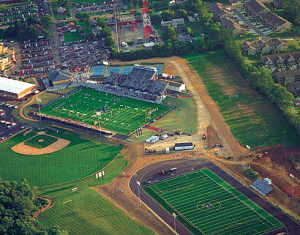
x=111, y=112
x=206, y=204
x=44, y=157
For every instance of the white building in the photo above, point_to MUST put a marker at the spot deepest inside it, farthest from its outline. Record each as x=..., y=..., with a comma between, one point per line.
x=176, y=86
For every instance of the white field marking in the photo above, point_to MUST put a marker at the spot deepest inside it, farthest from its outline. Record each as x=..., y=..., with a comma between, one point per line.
x=240, y=199
x=177, y=212
x=67, y=201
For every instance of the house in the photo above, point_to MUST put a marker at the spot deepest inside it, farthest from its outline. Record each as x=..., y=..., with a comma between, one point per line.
x=233, y=26
x=4, y=63
x=71, y=26
x=173, y=22
x=294, y=88
x=60, y=10
x=286, y=76
x=255, y=8
x=263, y=46
x=275, y=22
x=219, y=11
x=191, y=19
x=93, y=21
x=96, y=31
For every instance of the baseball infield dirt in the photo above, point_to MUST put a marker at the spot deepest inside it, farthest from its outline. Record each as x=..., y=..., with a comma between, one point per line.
x=27, y=150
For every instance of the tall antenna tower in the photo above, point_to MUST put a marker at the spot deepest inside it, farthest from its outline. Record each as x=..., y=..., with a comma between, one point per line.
x=146, y=20
x=117, y=28
x=133, y=21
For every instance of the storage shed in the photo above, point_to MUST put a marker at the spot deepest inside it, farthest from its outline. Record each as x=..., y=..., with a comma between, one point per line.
x=184, y=146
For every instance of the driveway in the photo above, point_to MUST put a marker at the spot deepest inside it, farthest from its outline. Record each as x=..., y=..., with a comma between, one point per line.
x=247, y=22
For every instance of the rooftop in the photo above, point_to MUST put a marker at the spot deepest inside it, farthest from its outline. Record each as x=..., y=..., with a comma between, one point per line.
x=13, y=86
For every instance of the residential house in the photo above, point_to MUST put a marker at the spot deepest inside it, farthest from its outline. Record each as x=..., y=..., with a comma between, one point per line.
x=263, y=46
x=294, y=88
x=279, y=62
x=219, y=11
x=60, y=10
x=174, y=22
x=71, y=26
x=234, y=26
x=255, y=8
x=275, y=22
x=286, y=76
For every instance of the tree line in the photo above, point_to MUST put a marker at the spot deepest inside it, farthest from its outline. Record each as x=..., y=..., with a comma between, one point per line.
x=215, y=37
x=18, y=205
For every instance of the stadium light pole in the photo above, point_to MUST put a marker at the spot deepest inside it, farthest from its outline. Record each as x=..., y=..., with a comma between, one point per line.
x=139, y=184
x=174, y=215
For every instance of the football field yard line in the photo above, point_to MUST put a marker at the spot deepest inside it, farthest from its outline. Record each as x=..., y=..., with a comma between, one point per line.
x=227, y=203
x=240, y=200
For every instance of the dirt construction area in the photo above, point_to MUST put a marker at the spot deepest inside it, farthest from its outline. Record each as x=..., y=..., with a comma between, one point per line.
x=274, y=165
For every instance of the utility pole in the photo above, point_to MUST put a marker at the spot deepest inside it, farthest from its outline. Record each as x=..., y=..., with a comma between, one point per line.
x=139, y=185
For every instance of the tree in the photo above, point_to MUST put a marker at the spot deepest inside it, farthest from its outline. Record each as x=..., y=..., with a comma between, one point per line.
x=105, y=32
x=169, y=33
x=32, y=20
x=101, y=22
x=181, y=13
x=47, y=22
x=168, y=15
x=109, y=41
x=83, y=16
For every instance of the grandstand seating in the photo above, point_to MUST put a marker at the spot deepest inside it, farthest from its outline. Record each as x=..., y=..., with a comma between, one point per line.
x=141, y=82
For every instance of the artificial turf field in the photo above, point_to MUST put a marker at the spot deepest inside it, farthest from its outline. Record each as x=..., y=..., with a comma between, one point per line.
x=111, y=112
x=206, y=204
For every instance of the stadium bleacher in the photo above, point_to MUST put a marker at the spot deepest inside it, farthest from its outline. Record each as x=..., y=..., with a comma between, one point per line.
x=141, y=82
x=262, y=187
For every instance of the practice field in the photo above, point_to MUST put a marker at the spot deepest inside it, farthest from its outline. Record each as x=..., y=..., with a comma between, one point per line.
x=111, y=112
x=40, y=141
x=206, y=204
x=80, y=158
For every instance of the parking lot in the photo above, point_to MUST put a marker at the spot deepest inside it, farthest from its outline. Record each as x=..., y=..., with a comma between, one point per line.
x=9, y=125
x=19, y=11
x=98, y=7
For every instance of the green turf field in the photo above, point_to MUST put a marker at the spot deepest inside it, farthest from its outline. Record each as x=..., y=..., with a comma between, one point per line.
x=40, y=141
x=82, y=157
x=206, y=204
x=251, y=118
x=122, y=115
x=87, y=211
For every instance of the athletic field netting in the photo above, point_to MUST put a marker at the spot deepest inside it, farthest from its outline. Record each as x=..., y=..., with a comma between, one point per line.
x=111, y=112
x=206, y=204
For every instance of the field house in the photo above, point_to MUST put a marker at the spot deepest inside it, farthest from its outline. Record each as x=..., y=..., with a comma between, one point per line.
x=104, y=111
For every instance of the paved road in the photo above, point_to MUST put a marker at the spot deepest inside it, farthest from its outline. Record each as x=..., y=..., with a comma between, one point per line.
x=149, y=173
x=247, y=22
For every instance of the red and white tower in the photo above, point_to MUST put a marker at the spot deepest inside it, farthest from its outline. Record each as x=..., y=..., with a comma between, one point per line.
x=133, y=21
x=146, y=20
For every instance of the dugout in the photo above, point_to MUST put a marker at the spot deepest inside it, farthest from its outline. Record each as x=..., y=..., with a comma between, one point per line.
x=184, y=146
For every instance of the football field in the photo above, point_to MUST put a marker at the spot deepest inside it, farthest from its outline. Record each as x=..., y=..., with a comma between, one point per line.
x=111, y=112
x=206, y=204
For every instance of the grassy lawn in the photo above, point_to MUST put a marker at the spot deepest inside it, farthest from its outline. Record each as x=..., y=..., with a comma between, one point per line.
x=81, y=158
x=206, y=204
x=72, y=37
x=86, y=211
x=114, y=113
x=251, y=118
x=55, y=4
x=40, y=141
x=183, y=118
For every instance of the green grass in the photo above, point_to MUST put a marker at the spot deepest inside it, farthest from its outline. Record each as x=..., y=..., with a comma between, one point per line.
x=251, y=118
x=123, y=115
x=232, y=213
x=86, y=211
x=40, y=141
x=72, y=37
x=82, y=157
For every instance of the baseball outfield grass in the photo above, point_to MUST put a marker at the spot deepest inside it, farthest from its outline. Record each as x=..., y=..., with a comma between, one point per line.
x=206, y=204
x=82, y=157
x=252, y=119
